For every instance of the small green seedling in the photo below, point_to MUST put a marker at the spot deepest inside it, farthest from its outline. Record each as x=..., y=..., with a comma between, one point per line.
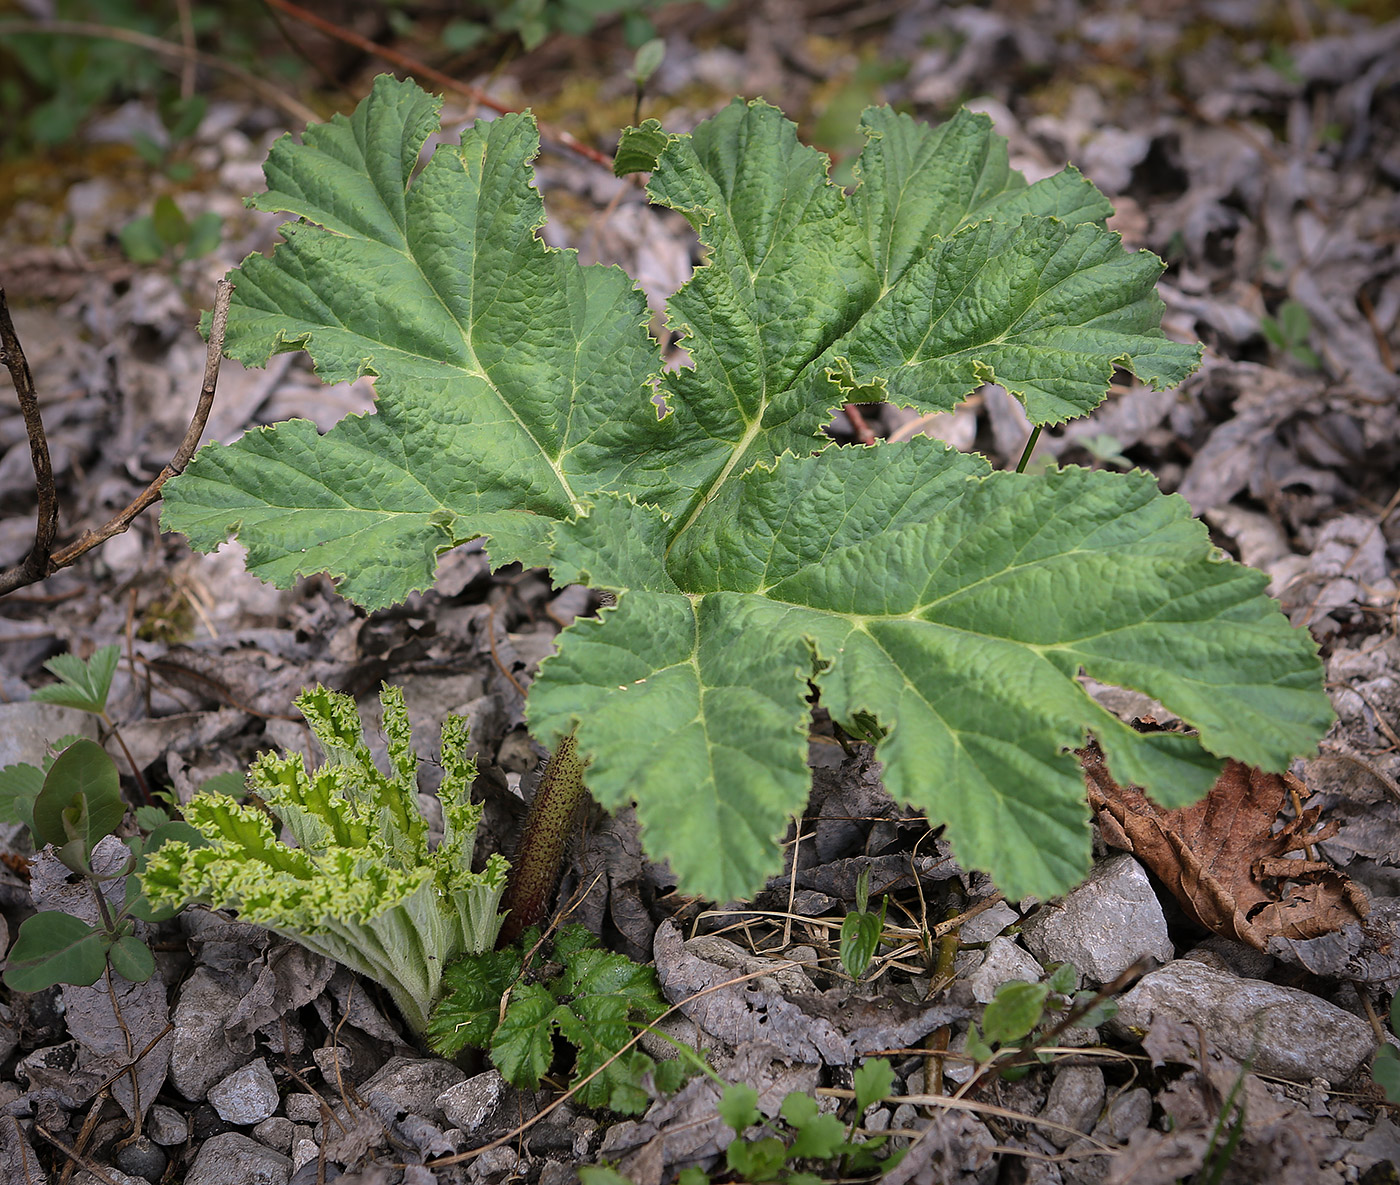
x=1385, y=1069
x=514, y=1002
x=1018, y=1009
x=800, y=1133
x=85, y=686
x=181, y=118
x=861, y=930
x=1106, y=450
x=645, y=63
x=166, y=234
x=1289, y=333
x=77, y=805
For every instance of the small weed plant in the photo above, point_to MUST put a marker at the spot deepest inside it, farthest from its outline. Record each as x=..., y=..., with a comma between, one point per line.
x=73, y=802
x=1290, y=333
x=801, y=1134
x=515, y=1001
x=166, y=235
x=1022, y=1016
x=943, y=609
x=861, y=930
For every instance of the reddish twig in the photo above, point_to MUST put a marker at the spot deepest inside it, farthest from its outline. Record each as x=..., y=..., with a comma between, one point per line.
x=27, y=573
x=863, y=432
x=36, y=565
x=405, y=62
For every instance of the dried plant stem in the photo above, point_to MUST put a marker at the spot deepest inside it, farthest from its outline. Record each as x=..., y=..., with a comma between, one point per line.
x=33, y=570
x=36, y=565
x=549, y=828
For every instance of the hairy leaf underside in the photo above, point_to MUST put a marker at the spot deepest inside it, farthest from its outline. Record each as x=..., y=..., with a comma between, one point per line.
x=752, y=560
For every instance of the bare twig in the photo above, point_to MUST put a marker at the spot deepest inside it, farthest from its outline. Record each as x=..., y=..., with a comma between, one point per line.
x=36, y=565
x=94, y=1112
x=265, y=91
x=405, y=62
x=182, y=10
x=495, y=654
x=25, y=573
x=859, y=424
x=1349, y=754
x=74, y=1156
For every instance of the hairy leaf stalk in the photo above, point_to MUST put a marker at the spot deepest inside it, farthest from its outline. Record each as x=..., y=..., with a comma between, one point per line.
x=549, y=828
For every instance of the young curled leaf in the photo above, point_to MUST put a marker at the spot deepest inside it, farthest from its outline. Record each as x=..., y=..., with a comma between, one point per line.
x=81, y=801
x=860, y=939
x=362, y=886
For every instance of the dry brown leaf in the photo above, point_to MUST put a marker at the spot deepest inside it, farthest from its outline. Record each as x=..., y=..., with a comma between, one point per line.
x=1223, y=860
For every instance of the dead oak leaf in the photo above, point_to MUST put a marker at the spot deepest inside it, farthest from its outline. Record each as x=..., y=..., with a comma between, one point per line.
x=1223, y=858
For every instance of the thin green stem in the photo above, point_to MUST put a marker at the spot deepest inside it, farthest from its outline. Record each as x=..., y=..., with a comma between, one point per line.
x=549, y=828
x=104, y=911
x=1030, y=448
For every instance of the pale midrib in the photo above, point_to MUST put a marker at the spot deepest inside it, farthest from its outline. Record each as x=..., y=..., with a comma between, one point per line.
x=480, y=371
x=740, y=451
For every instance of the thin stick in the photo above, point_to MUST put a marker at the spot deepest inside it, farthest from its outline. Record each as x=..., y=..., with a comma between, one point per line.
x=36, y=564
x=19, y=576
x=1349, y=754
x=265, y=91
x=74, y=1156
x=495, y=654
x=859, y=425
x=182, y=9
x=446, y=81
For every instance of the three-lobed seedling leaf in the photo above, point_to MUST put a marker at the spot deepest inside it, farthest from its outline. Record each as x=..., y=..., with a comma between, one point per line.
x=951, y=608
x=82, y=685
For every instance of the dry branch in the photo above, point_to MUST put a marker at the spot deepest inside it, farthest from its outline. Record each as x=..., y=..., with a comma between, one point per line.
x=40, y=563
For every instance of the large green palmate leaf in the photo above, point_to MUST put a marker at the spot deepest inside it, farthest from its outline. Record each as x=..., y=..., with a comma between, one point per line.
x=907, y=582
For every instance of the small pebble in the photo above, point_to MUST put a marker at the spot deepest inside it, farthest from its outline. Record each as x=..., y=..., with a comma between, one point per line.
x=234, y=1159
x=247, y=1096
x=303, y=1108
x=166, y=1126
x=467, y=1104
x=304, y=1152
x=141, y=1158
x=333, y=1062
x=1076, y=1098
x=275, y=1132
